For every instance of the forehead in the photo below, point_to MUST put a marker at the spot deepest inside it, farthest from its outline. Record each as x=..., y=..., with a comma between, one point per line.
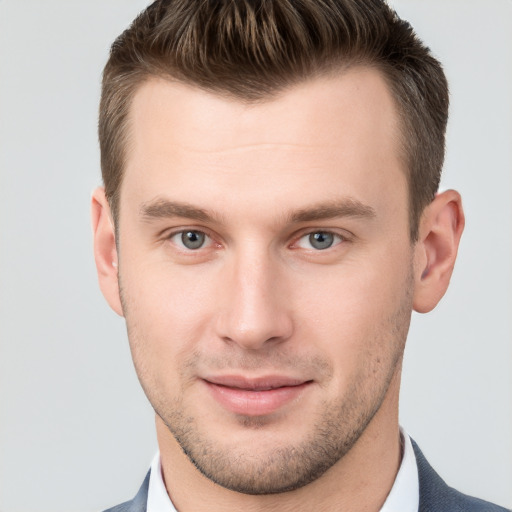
x=332, y=133
x=307, y=111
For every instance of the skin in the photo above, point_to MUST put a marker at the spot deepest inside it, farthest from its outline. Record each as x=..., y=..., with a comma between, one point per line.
x=258, y=300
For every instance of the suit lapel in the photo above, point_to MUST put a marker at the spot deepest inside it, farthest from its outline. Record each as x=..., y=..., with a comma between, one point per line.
x=434, y=493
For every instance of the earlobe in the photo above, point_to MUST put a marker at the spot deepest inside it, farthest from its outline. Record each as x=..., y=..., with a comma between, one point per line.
x=440, y=230
x=105, y=251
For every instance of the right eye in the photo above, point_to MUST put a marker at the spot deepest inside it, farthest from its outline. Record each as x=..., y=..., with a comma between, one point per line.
x=190, y=239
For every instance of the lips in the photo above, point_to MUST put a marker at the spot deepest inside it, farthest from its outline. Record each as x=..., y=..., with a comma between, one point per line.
x=255, y=397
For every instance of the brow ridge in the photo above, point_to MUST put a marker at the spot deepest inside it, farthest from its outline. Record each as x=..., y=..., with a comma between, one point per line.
x=349, y=207
x=163, y=208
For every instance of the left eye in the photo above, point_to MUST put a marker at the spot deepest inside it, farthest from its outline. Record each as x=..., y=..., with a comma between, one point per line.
x=319, y=240
x=190, y=239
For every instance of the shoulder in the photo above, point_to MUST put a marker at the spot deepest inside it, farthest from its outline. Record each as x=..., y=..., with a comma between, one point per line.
x=437, y=496
x=138, y=504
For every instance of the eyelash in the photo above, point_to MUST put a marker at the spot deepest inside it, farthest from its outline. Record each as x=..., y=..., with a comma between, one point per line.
x=209, y=239
x=181, y=232
x=337, y=239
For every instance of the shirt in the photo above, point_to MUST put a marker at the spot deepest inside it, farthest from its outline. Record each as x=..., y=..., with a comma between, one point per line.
x=403, y=497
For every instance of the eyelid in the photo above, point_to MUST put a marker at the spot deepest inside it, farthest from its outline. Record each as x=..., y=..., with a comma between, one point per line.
x=343, y=236
x=213, y=239
x=209, y=242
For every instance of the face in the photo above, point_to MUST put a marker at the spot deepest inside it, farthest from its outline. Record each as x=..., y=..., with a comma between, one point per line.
x=265, y=272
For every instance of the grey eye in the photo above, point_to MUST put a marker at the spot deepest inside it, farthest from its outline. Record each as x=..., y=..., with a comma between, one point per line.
x=193, y=239
x=321, y=240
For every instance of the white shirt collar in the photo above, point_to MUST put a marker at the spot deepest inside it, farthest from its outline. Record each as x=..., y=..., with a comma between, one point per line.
x=158, y=499
x=405, y=493
x=403, y=497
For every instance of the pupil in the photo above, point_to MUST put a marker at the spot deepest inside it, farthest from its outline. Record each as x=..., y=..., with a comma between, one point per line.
x=321, y=240
x=192, y=239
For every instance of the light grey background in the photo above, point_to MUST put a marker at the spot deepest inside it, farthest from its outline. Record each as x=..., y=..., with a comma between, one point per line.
x=76, y=433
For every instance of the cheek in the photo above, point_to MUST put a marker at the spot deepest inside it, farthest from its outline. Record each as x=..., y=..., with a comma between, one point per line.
x=167, y=312
x=166, y=295
x=359, y=317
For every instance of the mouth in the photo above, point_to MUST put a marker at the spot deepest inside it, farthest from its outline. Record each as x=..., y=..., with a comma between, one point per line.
x=255, y=397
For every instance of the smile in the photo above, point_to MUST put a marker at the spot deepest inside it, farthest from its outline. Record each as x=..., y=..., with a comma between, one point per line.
x=255, y=397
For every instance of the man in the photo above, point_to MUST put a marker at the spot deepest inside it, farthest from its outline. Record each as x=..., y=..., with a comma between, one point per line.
x=269, y=221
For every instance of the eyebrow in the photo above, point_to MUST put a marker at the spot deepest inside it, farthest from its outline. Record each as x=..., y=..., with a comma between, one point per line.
x=162, y=208
x=345, y=208
x=348, y=207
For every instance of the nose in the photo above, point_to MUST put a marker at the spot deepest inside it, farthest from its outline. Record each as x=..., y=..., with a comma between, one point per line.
x=254, y=307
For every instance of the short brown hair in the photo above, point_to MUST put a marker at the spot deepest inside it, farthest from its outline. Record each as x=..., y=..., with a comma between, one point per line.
x=252, y=49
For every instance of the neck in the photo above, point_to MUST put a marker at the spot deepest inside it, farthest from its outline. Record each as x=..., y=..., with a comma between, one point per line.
x=359, y=482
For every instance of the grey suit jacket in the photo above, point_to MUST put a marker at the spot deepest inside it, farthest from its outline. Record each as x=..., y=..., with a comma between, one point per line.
x=435, y=495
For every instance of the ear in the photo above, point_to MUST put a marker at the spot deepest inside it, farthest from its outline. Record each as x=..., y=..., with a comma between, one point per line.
x=105, y=251
x=440, y=230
